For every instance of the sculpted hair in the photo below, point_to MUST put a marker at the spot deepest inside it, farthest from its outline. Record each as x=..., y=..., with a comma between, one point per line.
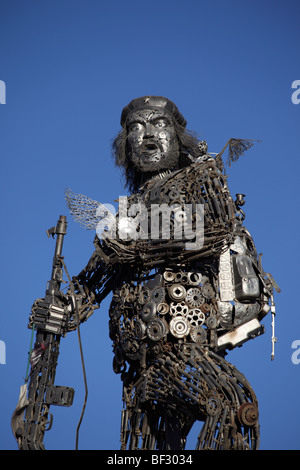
x=189, y=147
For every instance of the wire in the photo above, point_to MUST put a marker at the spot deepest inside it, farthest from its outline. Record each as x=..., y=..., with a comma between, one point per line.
x=81, y=353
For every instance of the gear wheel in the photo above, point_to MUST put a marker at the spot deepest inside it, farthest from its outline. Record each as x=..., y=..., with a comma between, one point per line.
x=211, y=322
x=198, y=334
x=158, y=294
x=208, y=291
x=194, y=297
x=248, y=414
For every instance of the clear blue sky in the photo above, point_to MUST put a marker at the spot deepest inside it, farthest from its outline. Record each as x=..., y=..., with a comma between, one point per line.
x=69, y=68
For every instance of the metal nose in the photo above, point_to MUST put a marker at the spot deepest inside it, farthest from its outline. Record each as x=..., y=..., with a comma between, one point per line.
x=148, y=130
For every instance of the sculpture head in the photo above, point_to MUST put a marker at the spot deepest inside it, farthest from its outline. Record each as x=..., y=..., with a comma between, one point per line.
x=152, y=143
x=153, y=139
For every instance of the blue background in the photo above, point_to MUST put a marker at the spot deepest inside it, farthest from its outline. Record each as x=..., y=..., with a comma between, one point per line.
x=69, y=68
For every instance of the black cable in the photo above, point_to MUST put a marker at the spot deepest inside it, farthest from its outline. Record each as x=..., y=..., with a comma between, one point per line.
x=81, y=352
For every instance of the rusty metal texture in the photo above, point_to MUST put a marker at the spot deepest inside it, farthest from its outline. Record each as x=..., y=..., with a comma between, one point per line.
x=179, y=303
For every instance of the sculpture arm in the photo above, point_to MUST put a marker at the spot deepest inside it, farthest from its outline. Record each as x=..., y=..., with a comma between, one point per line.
x=52, y=317
x=91, y=285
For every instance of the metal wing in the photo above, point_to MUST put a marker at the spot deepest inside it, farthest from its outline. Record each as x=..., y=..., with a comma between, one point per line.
x=91, y=214
x=236, y=148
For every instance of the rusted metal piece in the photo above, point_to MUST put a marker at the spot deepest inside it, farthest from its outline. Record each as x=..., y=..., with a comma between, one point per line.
x=248, y=414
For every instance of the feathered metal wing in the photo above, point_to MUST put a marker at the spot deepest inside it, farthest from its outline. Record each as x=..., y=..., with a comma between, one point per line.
x=89, y=213
x=236, y=148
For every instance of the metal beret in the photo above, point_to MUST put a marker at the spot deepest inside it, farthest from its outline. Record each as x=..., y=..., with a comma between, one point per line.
x=153, y=102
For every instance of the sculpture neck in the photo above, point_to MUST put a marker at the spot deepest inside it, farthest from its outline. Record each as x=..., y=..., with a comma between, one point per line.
x=150, y=177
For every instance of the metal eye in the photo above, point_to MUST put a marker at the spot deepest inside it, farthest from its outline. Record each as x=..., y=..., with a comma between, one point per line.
x=136, y=126
x=160, y=124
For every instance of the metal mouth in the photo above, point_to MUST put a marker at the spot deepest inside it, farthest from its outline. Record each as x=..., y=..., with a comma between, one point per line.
x=150, y=148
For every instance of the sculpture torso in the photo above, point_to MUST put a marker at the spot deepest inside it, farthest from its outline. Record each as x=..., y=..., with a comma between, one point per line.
x=174, y=298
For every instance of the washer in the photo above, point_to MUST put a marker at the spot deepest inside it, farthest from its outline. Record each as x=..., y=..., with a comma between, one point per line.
x=169, y=276
x=194, y=278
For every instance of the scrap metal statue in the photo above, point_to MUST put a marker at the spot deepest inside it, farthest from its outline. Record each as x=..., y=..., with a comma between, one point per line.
x=187, y=286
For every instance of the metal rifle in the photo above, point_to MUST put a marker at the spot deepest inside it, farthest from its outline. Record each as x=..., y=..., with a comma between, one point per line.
x=49, y=318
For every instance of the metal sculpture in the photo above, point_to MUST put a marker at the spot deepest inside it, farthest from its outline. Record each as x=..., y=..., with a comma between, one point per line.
x=187, y=286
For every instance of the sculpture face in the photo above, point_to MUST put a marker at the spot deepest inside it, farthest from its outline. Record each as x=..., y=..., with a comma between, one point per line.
x=152, y=141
